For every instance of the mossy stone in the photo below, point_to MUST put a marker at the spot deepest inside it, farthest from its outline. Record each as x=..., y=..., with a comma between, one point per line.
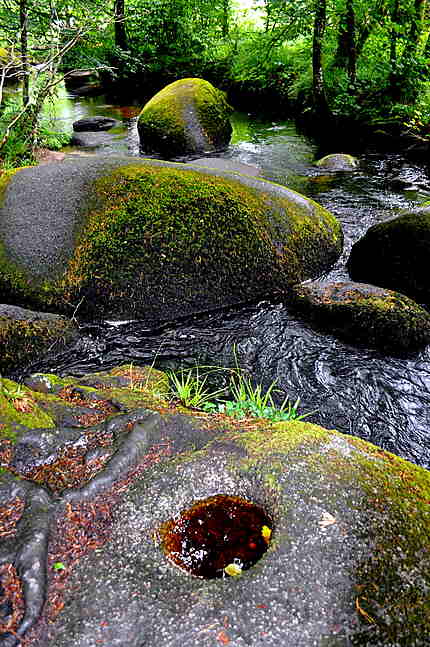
x=364, y=314
x=338, y=162
x=186, y=117
x=25, y=335
x=395, y=255
x=158, y=240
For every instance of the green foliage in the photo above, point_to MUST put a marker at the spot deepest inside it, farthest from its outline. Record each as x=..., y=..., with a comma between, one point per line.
x=250, y=401
x=189, y=387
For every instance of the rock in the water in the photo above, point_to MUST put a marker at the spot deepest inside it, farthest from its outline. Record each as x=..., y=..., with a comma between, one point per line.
x=365, y=314
x=187, y=117
x=155, y=240
x=25, y=335
x=94, y=124
x=338, y=162
x=395, y=255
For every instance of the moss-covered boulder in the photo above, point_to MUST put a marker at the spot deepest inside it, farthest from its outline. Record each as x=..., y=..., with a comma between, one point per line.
x=365, y=314
x=155, y=240
x=25, y=335
x=187, y=117
x=338, y=162
x=394, y=254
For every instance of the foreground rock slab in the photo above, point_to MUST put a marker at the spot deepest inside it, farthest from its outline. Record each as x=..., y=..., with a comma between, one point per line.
x=348, y=560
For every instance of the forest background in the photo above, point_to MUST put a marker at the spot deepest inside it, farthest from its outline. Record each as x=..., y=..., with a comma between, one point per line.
x=359, y=62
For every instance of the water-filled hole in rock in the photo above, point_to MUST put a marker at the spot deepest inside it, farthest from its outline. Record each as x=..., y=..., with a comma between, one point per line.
x=217, y=537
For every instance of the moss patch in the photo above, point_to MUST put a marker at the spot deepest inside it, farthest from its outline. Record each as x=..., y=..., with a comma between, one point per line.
x=12, y=396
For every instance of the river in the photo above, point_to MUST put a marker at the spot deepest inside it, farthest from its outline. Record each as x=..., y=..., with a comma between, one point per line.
x=358, y=391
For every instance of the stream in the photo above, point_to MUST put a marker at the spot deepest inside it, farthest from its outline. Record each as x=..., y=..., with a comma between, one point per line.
x=382, y=399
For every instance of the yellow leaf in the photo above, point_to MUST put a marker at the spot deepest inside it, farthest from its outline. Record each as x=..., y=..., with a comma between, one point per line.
x=233, y=569
x=327, y=519
x=266, y=533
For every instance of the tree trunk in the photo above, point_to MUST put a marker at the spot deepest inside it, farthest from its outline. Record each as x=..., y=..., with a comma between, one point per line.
x=394, y=76
x=225, y=17
x=120, y=34
x=23, y=25
x=346, y=52
x=320, y=98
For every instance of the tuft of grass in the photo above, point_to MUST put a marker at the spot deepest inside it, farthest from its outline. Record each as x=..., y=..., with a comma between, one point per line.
x=190, y=388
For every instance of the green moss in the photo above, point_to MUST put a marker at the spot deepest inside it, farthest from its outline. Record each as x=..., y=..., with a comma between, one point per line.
x=10, y=417
x=186, y=116
x=21, y=340
x=340, y=161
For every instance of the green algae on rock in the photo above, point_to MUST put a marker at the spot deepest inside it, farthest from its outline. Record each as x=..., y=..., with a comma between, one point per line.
x=156, y=240
x=25, y=335
x=186, y=117
x=364, y=314
x=395, y=254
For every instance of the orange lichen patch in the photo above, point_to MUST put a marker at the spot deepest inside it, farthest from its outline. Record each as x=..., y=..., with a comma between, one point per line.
x=11, y=595
x=10, y=514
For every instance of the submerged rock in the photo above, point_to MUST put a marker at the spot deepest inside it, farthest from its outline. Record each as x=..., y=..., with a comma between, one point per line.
x=338, y=162
x=187, y=117
x=365, y=314
x=137, y=238
x=395, y=254
x=93, y=124
x=25, y=335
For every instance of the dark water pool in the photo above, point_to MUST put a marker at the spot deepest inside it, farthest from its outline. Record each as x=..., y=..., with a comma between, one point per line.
x=382, y=399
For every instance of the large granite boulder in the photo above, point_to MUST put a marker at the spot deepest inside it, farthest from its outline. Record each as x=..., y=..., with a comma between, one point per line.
x=394, y=254
x=347, y=527
x=156, y=240
x=364, y=314
x=25, y=335
x=187, y=117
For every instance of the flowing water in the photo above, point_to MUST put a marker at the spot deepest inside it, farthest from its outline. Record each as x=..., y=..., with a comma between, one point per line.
x=359, y=391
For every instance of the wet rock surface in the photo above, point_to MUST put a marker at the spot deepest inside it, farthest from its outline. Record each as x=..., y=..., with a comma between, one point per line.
x=348, y=560
x=394, y=254
x=94, y=124
x=25, y=335
x=338, y=162
x=365, y=314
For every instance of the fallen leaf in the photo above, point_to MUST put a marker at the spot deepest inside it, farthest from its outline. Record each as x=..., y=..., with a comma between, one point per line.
x=266, y=533
x=233, y=569
x=223, y=638
x=326, y=520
